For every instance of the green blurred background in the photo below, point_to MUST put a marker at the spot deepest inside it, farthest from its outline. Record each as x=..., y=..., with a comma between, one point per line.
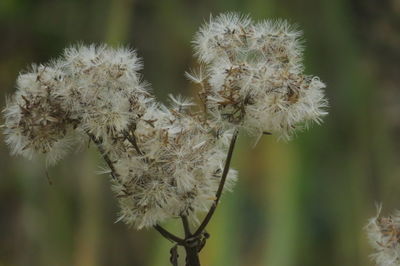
x=303, y=202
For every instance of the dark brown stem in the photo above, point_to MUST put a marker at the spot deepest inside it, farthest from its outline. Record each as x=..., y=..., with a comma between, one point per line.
x=210, y=213
x=186, y=227
x=103, y=153
x=174, y=255
x=169, y=235
x=192, y=256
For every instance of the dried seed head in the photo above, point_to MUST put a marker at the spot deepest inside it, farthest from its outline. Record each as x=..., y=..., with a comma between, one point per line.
x=384, y=237
x=254, y=75
x=105, y=93
x=166, y=161
x=177, y=171
x=35, y=122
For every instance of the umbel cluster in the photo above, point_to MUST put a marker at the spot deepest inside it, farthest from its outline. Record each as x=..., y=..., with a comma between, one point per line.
x=167, y=160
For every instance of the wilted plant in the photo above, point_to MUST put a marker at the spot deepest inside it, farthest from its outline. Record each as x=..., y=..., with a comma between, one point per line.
x=168, y=161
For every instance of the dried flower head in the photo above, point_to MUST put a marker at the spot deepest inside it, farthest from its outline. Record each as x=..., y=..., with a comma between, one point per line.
x=95, y=90
x=167, y=161
x=105, y=92
x=253, y=77
x=175, y=168
x=384, y=237
x=35, y=121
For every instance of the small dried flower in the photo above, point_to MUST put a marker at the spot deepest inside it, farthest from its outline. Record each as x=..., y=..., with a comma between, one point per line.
x=35, y=121
x=384, y=237
x=105, y=92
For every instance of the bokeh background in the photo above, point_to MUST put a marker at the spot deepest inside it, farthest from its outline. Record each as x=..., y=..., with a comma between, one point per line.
x=299, y=203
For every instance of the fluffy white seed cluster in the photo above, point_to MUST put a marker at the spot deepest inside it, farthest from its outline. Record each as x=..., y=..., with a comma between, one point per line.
x=35, y=121
x=105, y=92
x=175, y=169
x=164, y=161
x=252, y=75
x=384, y=237
x=94, y=90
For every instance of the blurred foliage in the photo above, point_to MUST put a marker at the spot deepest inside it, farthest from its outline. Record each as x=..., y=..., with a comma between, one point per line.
x=303, y=202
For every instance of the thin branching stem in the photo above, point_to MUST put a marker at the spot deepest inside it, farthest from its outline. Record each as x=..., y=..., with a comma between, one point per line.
x=186, y=226
x=210, y=213
x=168, y=235
x=103, y=153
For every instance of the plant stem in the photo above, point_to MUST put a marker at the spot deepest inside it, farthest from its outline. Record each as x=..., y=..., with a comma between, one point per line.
x=210, y=213
x=103, y=153
x=186, y=227
x=169, y=235
x=192, y=256
x=191, y=248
